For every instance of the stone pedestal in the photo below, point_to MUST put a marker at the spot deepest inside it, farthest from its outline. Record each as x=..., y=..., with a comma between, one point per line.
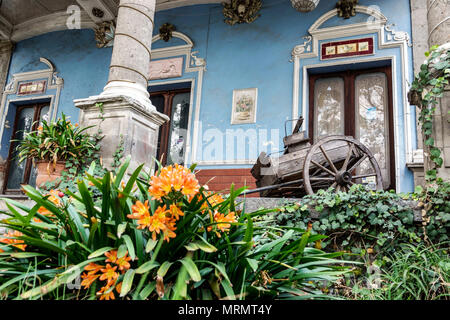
x=123, y=118
x=127, y=112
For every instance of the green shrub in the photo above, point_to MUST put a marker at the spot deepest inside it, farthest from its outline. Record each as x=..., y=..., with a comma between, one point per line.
x=414, y=272
x=362, y=221
x=154, y=237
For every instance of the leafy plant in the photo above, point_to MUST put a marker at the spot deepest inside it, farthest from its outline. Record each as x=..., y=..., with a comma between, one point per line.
x=368, y=222
x=56, y=141
x=412, y=273
x=428, y=86
x=155, y=236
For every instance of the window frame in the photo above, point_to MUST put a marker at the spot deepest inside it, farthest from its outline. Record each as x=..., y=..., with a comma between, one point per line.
x=349, y=77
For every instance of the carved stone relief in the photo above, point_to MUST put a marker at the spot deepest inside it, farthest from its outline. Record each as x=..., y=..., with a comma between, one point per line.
x=166, y=68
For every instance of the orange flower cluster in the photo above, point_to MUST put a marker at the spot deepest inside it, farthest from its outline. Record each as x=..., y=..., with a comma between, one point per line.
x=173, y=178
x=162, y=221
x=11, y=240
x=213, y=199
x=223, y=222
x=55, y=199
x=108, y=273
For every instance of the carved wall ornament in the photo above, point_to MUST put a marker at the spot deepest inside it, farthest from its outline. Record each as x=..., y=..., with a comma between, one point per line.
x=166, y=68
x=241, y=11
x=165, y=31
x=104, y=34
x=302, y=48
x=397, y=35
x=97, y=12
x=304, y=5
x=346, y=8
x=196, y=61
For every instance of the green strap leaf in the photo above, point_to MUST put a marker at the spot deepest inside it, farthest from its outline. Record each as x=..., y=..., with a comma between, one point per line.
x=127, y=282
x=191, y=268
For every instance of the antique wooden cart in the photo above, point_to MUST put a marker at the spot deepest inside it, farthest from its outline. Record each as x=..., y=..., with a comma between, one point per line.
x=333, y=161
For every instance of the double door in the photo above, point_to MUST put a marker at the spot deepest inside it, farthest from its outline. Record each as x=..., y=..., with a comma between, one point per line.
x=356, y=103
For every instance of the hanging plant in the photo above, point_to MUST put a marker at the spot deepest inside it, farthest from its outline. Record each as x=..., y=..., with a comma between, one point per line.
x=426, y=90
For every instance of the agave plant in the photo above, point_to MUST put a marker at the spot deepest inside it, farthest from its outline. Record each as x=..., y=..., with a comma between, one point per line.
x=158, y=236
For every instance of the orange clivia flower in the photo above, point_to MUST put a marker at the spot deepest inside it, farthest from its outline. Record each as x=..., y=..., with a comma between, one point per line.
x=93, y=268
x=104, y=295
x=223, y=222
x=213, y=199
x=175, y=212
x=11, y=239
x=139, y=210
x=119, y=287
x=121, y=262
x=157, y=221
x=173, y=178
x=109, y=273
x=88, y=279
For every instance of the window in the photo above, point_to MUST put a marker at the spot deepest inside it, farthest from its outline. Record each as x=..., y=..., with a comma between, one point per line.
x=359, y=104
x=172, y=134
x=28, y=118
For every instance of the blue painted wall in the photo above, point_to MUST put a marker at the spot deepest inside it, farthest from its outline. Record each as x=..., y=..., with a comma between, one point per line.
x=239, y=56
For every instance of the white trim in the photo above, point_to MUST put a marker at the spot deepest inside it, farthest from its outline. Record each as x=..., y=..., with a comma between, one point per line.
x=399, y=39
x=53, y=82
x=192, y=63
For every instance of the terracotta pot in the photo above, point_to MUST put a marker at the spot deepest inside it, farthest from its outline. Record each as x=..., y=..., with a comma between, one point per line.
x=48, y=172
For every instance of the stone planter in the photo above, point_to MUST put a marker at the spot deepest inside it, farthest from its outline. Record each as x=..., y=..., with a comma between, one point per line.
x=48, y=172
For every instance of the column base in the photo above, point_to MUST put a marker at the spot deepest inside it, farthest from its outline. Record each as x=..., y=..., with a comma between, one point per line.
x=123, y=117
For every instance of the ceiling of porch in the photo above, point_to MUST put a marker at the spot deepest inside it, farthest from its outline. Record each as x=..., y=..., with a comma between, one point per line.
x=22, y=19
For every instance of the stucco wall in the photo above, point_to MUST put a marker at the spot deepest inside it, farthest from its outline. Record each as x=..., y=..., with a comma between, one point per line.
x=239, y=56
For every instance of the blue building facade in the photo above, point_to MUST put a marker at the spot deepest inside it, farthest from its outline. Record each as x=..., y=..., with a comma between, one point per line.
x=272, y=61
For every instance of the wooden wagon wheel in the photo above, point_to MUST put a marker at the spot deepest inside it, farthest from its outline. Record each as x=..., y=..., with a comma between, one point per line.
x=326, y=173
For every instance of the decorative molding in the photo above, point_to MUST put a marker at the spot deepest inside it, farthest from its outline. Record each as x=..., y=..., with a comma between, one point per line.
x=375, y=24
x=346, y=8
x=193, y=64
x=241, y=11
x=302, y=48
x=53, y=83
x=166, y=68
x=166, y=30
x=104, y=34
x=6, y=28
x=52, y=22
x=397, y=35
x=97, y=10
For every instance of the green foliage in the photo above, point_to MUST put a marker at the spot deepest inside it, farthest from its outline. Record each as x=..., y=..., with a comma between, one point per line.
x=414, y=272
x=368, y=222
x=247, y=260
x=427, y=87
x=56, y=141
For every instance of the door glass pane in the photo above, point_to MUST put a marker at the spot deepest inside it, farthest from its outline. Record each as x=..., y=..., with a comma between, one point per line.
x=329, y=107
x=178, y=128
x=44, y=115
x=372, y=121
x=158, y=102
x=17, y=171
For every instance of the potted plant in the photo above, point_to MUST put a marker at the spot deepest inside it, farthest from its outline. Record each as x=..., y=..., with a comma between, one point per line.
x=51, y=145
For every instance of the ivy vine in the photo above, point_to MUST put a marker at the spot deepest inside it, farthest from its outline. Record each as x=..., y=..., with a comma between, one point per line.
x=426, y=90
